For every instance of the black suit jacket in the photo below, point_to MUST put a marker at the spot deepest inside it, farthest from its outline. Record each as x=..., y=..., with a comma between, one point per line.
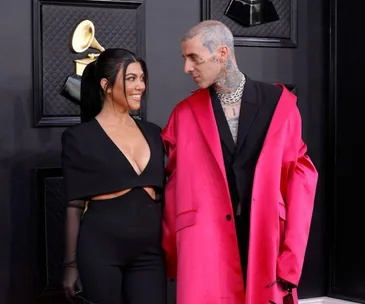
x=259, y=101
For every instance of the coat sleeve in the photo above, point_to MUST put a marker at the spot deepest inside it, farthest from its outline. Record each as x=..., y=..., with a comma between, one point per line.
x=169, y=214
x=299, y=194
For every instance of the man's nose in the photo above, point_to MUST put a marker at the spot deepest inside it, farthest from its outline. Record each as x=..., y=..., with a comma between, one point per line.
x=188, y=67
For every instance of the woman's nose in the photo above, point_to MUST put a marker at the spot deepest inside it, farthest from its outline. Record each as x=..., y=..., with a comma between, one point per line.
x=140, y=85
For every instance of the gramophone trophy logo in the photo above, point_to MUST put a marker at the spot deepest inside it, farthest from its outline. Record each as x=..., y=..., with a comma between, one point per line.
x=83, y=38
x=251, y=12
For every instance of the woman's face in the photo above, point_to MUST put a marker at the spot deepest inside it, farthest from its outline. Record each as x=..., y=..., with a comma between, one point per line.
x=134, y=87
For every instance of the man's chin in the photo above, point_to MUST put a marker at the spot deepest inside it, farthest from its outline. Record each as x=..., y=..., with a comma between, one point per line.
x=202, y=85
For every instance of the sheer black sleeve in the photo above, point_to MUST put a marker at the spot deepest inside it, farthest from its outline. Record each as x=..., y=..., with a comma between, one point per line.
x=71, y=160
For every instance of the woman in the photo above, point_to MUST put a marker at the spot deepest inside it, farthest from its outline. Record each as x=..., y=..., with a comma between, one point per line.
x=115, y=164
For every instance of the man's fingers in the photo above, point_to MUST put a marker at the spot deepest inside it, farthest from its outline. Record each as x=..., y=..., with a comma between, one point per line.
x=69, y=292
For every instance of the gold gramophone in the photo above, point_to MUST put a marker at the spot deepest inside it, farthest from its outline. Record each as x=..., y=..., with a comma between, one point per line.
x=83, y=38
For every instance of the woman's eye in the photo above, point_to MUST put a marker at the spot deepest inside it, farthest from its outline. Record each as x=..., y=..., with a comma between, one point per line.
x=130, y=78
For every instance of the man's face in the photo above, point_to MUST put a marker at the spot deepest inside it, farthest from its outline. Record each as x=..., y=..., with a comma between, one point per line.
x=201, y=63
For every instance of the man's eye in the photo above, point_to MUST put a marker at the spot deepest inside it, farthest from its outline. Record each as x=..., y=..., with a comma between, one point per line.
x=198, y=60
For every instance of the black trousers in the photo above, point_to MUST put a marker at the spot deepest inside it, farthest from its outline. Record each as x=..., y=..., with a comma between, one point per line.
x=119, y=252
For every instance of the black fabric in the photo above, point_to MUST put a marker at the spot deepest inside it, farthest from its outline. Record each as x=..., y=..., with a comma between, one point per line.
x=93, y=164
x=119, y=252
x=259, y=101
x=117, y=242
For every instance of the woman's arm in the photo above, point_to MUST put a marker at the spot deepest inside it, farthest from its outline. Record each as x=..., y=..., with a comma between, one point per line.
x=74, y=213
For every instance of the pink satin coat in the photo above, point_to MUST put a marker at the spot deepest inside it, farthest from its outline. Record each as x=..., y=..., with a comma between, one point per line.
x=199, y=235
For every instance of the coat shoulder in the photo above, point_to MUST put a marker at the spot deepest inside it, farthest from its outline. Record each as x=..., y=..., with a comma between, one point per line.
x=80, y=131
x=276, y=95
x=270, y=93
x=184, y=104
x=149, y=125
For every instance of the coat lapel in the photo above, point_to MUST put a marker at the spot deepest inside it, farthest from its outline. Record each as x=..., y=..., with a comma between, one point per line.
x=202, y=108
x=282, y=111
x=248, y=112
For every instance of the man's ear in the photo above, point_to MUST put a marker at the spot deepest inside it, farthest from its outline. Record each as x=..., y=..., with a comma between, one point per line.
x=224, y=52
x=104, y=83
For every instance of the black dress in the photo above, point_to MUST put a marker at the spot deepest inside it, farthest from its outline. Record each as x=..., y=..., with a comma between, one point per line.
x=119, y=243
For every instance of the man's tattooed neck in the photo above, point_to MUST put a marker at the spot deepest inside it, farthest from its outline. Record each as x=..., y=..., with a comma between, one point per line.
x=229, y=79
x=231, y=104
x=234, y=97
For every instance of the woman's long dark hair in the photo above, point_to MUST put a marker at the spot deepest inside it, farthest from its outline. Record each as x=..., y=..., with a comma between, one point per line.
x=106, y=66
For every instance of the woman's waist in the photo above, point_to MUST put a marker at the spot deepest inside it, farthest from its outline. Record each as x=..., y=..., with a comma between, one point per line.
x=124, y=199
x=136, y=208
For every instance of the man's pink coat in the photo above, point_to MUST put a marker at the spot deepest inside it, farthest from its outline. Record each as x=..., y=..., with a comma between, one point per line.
x=199, y=235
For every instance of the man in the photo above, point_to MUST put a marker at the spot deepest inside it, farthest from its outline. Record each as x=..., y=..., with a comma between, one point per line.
x=240, y=190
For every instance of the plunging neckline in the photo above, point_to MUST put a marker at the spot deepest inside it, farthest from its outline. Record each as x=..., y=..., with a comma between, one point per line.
x=121, y=152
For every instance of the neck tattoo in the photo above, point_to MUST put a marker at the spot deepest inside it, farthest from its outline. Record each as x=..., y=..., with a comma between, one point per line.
x=231, y=104
x=234, y=97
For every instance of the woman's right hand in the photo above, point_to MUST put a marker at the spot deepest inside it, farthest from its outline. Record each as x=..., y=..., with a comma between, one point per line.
x=69, y=281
